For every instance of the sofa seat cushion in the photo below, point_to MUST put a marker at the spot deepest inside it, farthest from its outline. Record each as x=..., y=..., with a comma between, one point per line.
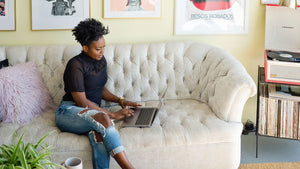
x=181, y=122
x=38, y=127
x=178, y=123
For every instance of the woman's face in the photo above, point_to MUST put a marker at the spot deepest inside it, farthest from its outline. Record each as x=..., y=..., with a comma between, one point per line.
x=95, y=50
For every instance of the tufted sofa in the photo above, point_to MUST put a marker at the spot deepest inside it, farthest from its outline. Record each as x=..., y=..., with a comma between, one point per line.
x=199, y=125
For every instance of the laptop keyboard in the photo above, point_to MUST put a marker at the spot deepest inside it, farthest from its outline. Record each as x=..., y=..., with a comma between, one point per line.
x=144, y=117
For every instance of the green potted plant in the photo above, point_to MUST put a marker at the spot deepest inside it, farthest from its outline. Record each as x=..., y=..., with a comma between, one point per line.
x=27, y=155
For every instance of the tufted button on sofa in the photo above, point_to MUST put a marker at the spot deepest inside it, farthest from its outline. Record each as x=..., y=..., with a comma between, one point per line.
x=199, y=125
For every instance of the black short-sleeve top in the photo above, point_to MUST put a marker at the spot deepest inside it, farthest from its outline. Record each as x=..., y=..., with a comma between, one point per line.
x=85, y=74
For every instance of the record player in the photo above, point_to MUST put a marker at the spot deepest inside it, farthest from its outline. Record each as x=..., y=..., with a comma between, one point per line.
x=282, y=45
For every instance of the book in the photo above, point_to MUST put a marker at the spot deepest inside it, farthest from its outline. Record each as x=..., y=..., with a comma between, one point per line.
x=283, y=91
x=279, y=111
x=262, y=115
x=271, y=116
x=296, y=120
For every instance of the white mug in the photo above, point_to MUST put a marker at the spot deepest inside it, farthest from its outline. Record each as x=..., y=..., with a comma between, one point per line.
x=73, y=163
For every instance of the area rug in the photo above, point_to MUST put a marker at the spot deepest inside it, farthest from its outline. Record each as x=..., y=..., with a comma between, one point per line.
x=292, y=165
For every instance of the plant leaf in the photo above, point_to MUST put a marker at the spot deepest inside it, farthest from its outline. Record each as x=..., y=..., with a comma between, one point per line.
x=41, y=156
x=23, y=160
x=3, y=161
x=27, y=150
x=17, y=148
x=18, y=167
x=27, y=156
x=32, y=151
x=40, y=141
x=6, y=151
x=11, y=166
x=38, y=166
x=49, y=164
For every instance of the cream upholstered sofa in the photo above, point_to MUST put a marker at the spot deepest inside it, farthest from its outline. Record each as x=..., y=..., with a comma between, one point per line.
x=199, y=125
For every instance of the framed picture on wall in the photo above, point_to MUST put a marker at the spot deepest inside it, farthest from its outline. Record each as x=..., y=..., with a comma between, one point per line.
x=211, y=17
x=132, y=8
x=275, y=2
x=58, y=14
x=7, y=15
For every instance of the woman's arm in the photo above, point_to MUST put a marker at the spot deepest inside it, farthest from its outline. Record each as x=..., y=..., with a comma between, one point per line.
x=107, y=95
x=81, y=101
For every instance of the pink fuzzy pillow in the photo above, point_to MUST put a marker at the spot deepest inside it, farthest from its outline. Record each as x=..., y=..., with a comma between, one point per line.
x=23, y=93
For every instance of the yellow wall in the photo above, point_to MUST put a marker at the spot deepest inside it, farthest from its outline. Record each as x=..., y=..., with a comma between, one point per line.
x=248, y=49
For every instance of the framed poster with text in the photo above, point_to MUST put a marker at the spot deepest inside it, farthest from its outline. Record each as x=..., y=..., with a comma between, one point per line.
x=211, y=17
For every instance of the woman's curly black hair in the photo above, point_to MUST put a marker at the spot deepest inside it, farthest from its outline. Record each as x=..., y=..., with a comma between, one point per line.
x=89, y=30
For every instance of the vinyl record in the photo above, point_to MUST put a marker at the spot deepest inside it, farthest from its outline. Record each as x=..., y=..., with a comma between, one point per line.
x=283, y=56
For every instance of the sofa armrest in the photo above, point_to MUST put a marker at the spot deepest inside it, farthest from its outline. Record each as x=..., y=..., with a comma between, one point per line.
x=226, y=85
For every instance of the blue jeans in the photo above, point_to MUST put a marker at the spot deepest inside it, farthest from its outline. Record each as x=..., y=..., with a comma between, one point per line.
x=69, y=119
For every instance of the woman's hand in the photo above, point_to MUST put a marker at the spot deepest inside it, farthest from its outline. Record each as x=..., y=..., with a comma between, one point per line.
x=124, y=103
x=122, y=113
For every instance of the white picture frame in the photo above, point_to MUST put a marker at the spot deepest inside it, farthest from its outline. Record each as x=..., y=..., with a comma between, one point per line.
x=270, y=2
x=274, y=2
x=202, y=19
x=58, y=14
x=8, y=15
x=137, y=9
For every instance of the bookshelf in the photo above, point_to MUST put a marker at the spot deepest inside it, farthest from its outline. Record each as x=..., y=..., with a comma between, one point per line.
x=277, y=109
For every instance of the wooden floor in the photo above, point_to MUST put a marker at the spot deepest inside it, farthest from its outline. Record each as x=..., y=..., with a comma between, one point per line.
x=292, y=165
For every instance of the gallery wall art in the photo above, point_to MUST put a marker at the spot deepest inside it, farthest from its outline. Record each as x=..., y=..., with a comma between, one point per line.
x=132, y=9
x=211, y=17
x=58, y=14
x=7, y=15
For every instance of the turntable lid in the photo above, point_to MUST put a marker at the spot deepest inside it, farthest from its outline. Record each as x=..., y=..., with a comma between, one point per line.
x=282, y=29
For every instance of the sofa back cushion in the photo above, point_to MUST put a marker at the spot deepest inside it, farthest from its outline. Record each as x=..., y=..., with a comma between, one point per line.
x=143, y=71
x=138, y=72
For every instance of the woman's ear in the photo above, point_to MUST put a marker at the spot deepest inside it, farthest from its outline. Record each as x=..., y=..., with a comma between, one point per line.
x=85, y=48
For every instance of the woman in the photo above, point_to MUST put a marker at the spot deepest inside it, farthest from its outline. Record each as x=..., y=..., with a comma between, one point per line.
x=80, y=110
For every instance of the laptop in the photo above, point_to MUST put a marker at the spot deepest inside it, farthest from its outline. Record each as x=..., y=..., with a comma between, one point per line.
x=143, y=116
